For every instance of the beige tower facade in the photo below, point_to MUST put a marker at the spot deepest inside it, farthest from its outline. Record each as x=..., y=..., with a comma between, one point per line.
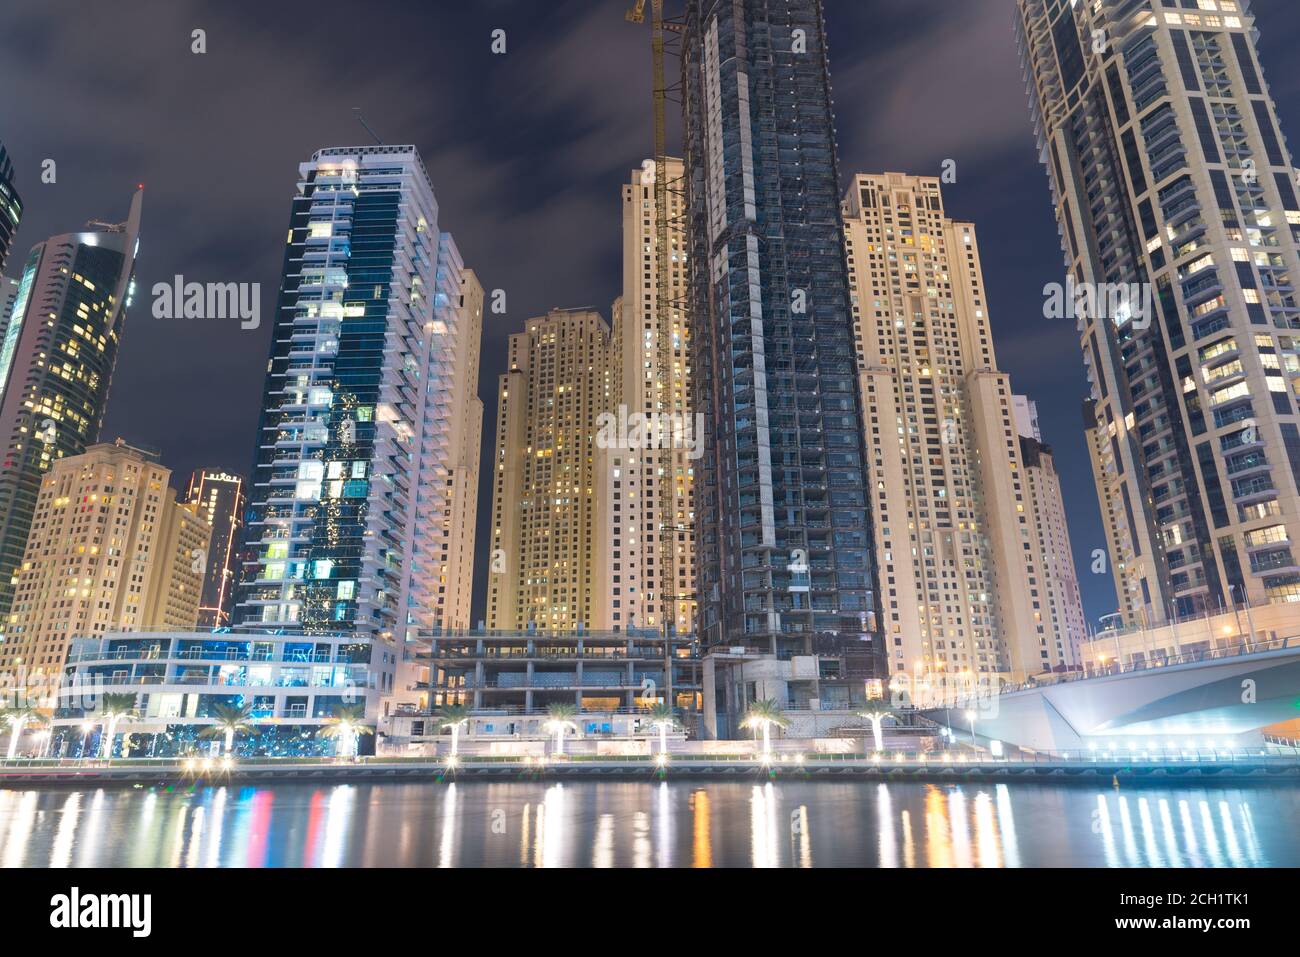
x=649, y=441
x=1047, y=507
x=541, y=570
x=961, y=571
x=110, y=549
x=450, y=600
x=1126, y=540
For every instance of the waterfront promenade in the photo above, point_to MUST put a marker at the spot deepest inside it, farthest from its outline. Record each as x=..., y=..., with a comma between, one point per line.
x=1115, y=766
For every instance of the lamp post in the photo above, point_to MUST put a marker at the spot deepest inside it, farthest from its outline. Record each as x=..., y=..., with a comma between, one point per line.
x=971, y=716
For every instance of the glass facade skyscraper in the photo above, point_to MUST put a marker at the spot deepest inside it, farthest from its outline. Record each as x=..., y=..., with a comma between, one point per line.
x=56, y=361
x=1170, y=176
x=351, y=478
x=784, y=533
x=11, y=206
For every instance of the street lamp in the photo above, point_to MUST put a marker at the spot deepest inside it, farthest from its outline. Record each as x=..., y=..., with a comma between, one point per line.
x=971, y=716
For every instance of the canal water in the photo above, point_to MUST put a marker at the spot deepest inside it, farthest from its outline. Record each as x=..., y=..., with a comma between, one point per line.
x=637, y=824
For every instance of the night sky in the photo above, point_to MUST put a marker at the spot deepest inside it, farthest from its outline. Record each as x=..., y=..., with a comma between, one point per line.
x=527, y=152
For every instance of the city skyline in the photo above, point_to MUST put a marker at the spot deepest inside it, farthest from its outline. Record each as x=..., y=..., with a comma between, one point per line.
x=660, y=434
x=999, y=186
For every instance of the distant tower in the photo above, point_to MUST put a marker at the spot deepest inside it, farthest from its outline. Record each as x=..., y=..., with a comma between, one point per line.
x=108, y=520
x=544, y=540
x=645, y=496
x=1066, y=624
x=218, y=497
x=11, y=206
x=56, y=362
x=949, y=487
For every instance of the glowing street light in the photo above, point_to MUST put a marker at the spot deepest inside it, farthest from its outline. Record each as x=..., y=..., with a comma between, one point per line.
x=560, y=720
x=764, y=715
x=664, y=717
x=877, y=719
x=455, y=717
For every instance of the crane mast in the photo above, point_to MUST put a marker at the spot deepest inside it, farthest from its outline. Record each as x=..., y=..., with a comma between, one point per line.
x=665, y=382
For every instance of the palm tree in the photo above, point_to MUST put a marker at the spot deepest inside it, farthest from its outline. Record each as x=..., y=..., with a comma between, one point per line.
x=14, y=719
x=230, y=720
x=348, y=724
x=664, y=717
x=877, y=718
x=764, y=714
x=560, y=719
x=452, y=716
x=116, y=707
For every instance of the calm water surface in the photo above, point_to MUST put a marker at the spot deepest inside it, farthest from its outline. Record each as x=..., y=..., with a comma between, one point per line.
x=633, y=824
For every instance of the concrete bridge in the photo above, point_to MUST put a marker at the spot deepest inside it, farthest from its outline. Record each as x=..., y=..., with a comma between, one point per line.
x=1224, y=697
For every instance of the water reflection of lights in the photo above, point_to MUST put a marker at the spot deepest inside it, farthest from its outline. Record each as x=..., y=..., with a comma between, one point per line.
x=552, y=832
x=196, y=836
x=702, y=838
x=1007, y=827
x=938, y=842
x=762, y=825
x=216, y=814
x=1150, y=837
x=447, y=844
x=602, y=852
x=21, y=819
x=664, y=827
x=664, y=824
x=909, y=843
x=888, y=848
x=640, y=840
x=90, y=838
x=987, y=844
x=1154, y=857
x=802, y=835
x=338, y=821
x=523, y=835
x=958, y=827
x=61, y=854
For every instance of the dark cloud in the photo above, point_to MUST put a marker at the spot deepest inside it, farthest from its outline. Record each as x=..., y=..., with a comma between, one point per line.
x=527, y=152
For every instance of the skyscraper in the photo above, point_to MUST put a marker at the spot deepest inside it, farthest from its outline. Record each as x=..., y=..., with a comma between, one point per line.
x=646, y=456
x=11, y=206
x=449, y=592
x=8, y=296
x=783, y=533
x=110, y=550
x=962, y=567
x=349, y=488
x=56, y=362
x=1173, y=184
x=559, y=379
x=218, y=497
x=1059, y=582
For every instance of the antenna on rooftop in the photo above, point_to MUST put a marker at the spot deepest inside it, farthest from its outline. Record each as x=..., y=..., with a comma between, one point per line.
x=356, y=111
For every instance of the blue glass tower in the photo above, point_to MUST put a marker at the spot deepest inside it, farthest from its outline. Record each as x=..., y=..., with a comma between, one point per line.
x=348, y=489
x=783, y=526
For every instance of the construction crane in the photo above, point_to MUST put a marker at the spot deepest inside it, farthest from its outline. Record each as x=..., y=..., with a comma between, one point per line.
x=665, y=384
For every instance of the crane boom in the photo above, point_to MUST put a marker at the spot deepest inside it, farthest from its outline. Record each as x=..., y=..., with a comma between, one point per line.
x=664, y=390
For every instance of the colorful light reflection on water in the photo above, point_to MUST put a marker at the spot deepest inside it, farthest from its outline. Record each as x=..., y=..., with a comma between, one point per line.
x=671, y=824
